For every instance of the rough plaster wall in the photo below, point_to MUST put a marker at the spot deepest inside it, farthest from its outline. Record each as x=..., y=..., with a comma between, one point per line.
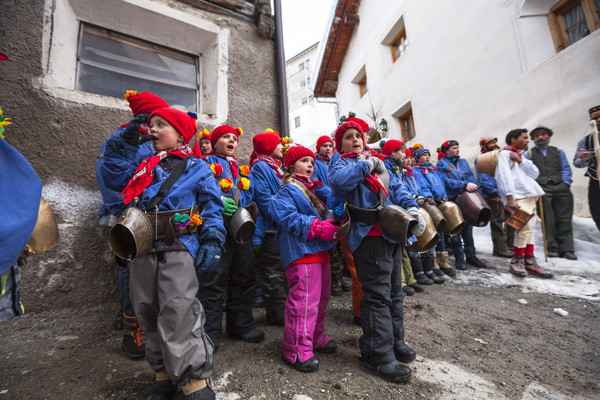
x=61, y=141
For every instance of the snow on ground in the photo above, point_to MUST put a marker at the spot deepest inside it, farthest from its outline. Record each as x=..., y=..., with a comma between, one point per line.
x=579, y=278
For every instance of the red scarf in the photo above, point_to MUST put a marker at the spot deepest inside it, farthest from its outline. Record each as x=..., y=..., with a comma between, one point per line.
x=232, y=162
x=271, y=162
x=325, y=159
x=426, y=167
x=145, y=172
x=374, y=182
x=310, y=185
x=514, y=150
x=407, y=171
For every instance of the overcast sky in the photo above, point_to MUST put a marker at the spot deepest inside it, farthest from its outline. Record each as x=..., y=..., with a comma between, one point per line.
x=304, y=23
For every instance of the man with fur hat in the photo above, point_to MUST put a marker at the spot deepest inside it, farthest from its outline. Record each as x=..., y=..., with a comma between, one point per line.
x=503, y=236
x=555, y=179
x=458, y=177
x=587, y=157
x=515, y=176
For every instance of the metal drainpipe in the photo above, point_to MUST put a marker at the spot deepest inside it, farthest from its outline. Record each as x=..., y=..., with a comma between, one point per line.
x=281, y=76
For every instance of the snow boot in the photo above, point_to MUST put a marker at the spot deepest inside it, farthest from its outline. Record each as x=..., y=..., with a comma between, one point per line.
x=428, y=269
x=442, y=259
x=533, y=268
x=198, y=389
x=162, y=388
x=134, y=340
x=517, y=266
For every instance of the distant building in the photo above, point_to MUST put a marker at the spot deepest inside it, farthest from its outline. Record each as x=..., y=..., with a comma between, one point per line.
x=309, y=118
x=464, y=70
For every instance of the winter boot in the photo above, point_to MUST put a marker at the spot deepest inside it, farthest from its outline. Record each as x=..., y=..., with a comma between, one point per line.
x=417, y=267
x=517, y=267
x=428, y=269
x=162, y=388
x=336, y=287
x=436, y=266
x=134, y=340
x=460, y=263
x=442, y=259
x=533, y=268
x=408, y=290
x=198, y=389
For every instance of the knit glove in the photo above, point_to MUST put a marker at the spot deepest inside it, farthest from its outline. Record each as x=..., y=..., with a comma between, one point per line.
x=132, y=134
x=229, y=207
x=209, y=253
x=418, y=229
x=324, y=230
x=375, y=164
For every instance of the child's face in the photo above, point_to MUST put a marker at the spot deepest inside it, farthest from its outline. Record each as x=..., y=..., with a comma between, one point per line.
x=227, y=144
x=453, y=150
x=277, y=152
x=407, y=162
x=352, y=140
x=424, y=158
x=166, y=136
x=398, y=154
x=205, y=147
x=305, y=166
x=326, y=149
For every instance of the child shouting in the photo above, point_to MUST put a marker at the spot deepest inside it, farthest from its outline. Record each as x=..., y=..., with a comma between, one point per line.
x=304, y=240
x=232, y=282
x=163, y=282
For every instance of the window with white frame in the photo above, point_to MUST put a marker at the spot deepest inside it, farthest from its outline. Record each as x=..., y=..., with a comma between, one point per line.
x=297, y=122
x=109, y=63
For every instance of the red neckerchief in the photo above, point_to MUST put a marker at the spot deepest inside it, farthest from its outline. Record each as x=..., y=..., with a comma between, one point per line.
x=407, y=172
x=271, y=162
x=145, y=172
x=310, y=185
x=374, y=182
x=325, y=159
x=232, y=162
x=514, y=150
x=426, y=167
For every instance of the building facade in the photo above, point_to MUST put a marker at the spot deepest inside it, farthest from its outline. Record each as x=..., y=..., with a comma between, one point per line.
x=464, y=70
x=69, y=64
x=308, y=118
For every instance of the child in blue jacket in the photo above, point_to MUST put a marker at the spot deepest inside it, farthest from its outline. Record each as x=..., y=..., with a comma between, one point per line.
x=163, y=282
x=304, y=239
x=232, y=281
x=378, y=265
x=266, y=174
x=458, y=177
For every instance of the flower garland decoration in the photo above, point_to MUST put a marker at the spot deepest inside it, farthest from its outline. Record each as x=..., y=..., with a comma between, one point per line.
x=3, y=123
x=180, y=221
x=244, y=183
x=226, y=184
x=195, y=220
x=244, y=170
x=217, y=169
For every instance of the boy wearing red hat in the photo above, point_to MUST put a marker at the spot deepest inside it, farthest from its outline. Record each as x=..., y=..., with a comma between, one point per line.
x=304, y=239
x=324, y=153
x=266, y=173
x=232, y=281
x=141, y=105
x=378, y=263
x=163, y=282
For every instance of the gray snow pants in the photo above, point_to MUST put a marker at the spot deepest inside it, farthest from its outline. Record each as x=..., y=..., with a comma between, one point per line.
x=163, y=293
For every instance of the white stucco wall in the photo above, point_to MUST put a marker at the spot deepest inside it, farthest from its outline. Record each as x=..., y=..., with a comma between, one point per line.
x=473, y=69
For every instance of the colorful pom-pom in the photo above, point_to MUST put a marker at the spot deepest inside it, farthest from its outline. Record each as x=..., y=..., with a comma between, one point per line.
x=244, y=183
x=195, y=220
x=240, y=131
x=272, y=131
x=205, y=134
x=226, y=184
x=192, y=114
x=339, y=210
x=3, y=123
x=417, y=145
x=129, y=94
x=217, y=169
x=445, y=144
x=446, y=168
x=351, y=114
x=244, y=170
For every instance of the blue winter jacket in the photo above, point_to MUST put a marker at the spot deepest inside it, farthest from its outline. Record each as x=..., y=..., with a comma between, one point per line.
x=266, y=185
x=431, y=182
x=195, y=187
x=347, y=180
x=246, y=196
x=294, y=215
x=486, y=185
x=321, y=171
x=396, y=172
x=111, y=195
x=457, y=178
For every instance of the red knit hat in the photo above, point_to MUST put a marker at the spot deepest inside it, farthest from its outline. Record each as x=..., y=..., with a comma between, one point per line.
x=322, y=140
x=219, y=131
x=390, y=146
x=361, y=122
x=265, y=143
x=144, y=103
x=339, y=132
x=295, y=153
x=183, y=123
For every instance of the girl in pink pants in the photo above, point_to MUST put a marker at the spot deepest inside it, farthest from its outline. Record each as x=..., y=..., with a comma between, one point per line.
x=304, y=239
